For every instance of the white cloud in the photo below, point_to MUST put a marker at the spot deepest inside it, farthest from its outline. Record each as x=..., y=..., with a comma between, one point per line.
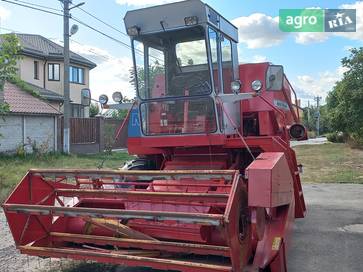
x=259, y=59
x=309, y=86
x=111, y=74
x=347, y=48
x=138, y=3
x=259, y=30
x=358, y=35
x=4, y=13
x=311, y=37
x=306, y=79
x=316, y=37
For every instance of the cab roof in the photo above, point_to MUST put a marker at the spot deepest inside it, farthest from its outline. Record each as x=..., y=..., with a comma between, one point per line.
x=171, y=16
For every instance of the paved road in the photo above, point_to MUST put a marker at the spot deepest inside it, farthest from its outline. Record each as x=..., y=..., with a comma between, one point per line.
x=313, y=141
x=329, y=239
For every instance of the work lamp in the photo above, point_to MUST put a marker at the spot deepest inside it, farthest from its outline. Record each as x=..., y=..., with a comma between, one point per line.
x=256, y=85
x=103, y=99
x=236, y=86
x=191, y=20
x=133, y=31
x=117, y=97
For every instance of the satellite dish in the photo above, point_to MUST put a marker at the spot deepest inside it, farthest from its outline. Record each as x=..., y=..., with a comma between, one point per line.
x=74, y=29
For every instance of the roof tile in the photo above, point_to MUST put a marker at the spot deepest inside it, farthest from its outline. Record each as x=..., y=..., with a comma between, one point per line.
x=23, y=102
x=38, y=45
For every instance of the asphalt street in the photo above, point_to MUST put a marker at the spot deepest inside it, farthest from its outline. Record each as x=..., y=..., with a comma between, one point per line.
x=330, y=238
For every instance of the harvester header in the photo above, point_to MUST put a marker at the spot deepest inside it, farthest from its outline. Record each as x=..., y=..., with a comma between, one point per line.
x=215, y=185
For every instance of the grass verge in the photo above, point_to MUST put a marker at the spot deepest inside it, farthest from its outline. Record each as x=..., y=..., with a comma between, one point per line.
x=330, y=163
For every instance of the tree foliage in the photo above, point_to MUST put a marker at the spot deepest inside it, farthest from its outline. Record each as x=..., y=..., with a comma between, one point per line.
x=310, y=119
x=154, y=70
x=345, y=102
x=9, y=55
x=94, y=110
x=121, y=114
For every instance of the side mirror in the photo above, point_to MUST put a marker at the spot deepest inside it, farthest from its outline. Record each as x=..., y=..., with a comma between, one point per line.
x=86, y=97
x=274, y=78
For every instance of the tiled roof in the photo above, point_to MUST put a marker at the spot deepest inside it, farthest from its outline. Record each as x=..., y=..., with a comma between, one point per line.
x=36, y=45
x=47, y=94
x=24, y=103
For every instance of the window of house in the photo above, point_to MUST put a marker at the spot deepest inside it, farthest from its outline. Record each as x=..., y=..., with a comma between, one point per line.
x=53, y=71
x=77, y=110
x=76, y=75
x=36, y=70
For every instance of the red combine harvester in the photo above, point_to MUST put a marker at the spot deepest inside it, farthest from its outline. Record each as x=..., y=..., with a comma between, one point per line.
x=215, y=187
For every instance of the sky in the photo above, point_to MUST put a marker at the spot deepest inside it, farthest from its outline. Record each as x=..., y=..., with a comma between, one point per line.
x=312, y=61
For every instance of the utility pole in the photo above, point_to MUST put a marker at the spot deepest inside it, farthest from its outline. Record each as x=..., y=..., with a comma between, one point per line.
x=308, y=112
x=66, y=85
x=317, y=99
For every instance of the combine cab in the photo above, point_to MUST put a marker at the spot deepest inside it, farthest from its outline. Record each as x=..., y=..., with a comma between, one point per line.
x=216, y=186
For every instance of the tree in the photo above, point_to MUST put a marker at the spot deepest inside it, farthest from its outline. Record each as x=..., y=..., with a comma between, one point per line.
x=346, y=100
x=9, y=55
x=121, y=114
x=154, y=70
x=94, y=110
x=309, y=121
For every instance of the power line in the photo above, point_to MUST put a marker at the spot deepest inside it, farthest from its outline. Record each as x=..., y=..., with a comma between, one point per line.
x=140, y=52
x=30, y=7
x=9, y=29
x=37, y=5
x=112, y=38
x=106, y=58
x=116, y=29
x=101, y=32
x=74, y=18
x=103, y=22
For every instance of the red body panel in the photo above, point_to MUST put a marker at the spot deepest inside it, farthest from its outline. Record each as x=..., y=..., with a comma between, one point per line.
x=270, y=185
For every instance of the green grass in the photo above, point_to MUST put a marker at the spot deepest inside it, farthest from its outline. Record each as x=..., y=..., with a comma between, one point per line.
x=13, y=168
x=330, y=163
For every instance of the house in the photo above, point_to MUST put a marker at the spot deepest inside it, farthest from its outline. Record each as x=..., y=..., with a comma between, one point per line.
x=31, y=122
x=42, y=66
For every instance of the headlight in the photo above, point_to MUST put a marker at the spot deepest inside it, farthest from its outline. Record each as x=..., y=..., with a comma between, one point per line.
x=117, y=97
x=256, y=85
x=192, y=20
x=103, y=99
x=236, y=86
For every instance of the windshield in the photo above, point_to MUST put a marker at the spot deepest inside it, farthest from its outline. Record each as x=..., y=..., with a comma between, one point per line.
x=178, y=116
x=172, y=64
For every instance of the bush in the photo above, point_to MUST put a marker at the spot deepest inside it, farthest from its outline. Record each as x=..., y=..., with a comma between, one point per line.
x=355, y=141
x=336, y=137
x=311, y=134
